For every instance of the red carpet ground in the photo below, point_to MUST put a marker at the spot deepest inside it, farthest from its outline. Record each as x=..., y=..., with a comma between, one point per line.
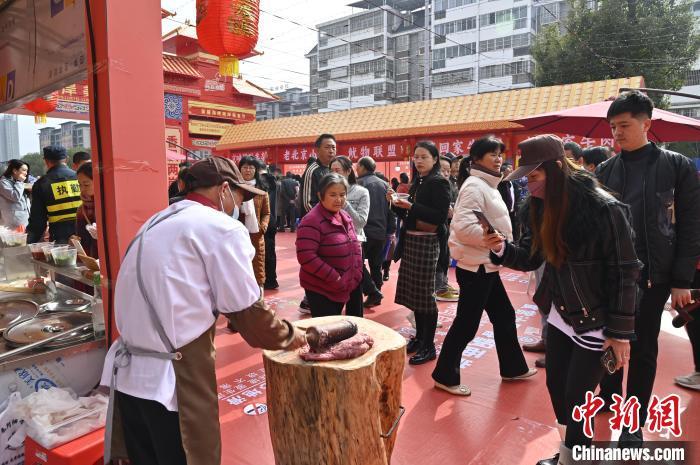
x=500, y=423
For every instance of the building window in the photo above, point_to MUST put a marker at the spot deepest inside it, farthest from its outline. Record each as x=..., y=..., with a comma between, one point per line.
x=402, y=89
x=501, y=43
x=331, y=53
x=367, y=21
x=402, y=43
x=693, y=78
x=441, y=5
x=452, y=27
x=367, y=67
x=453, y=77
x=549, y=14
x=333, y=30
x=439, y=58
x=402, y=66
x=371, y=44
x=506, y=69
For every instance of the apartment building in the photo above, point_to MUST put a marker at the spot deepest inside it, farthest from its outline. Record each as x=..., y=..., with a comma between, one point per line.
x=68, y=135
x=292, y=102
x=405, y=50
x=9, y=137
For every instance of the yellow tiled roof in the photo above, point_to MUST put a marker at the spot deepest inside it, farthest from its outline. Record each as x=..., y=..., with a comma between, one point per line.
x=470, y=113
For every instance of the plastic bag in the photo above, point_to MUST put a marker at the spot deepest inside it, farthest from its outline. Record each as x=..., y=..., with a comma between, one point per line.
x=12, y=431
x=92, y=230
x=54, y=416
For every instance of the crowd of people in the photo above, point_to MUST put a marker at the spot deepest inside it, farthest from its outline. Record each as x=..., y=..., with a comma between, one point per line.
x=63, y=199
x=610, y=238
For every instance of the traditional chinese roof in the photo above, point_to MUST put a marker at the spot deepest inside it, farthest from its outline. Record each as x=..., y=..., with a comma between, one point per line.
x=471, y=113
x=180, y=66
x=248, y=88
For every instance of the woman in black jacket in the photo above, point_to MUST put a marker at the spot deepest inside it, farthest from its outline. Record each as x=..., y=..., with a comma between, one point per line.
x=424, y=215
x=583, y=236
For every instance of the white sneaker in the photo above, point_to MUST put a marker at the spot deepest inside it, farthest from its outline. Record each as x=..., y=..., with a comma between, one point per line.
x=691, y=381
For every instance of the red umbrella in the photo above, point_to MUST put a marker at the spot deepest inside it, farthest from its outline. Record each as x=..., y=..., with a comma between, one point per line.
x=591, y=121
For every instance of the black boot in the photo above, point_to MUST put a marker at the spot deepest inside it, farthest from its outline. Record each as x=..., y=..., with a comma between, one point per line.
x=424, y=355
x=413, y=345
x=553, y=461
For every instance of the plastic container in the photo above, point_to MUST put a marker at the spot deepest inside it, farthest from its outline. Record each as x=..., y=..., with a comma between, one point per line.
x=64, y=256
x=85, y=450
x=46, y=248
x=37, y=250
x=14, y=239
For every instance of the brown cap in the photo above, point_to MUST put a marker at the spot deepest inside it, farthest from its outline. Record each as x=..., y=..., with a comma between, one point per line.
x=216, y=170
x=535, y=151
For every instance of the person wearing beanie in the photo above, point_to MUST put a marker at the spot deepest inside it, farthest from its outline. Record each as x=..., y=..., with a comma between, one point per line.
x=55, y=199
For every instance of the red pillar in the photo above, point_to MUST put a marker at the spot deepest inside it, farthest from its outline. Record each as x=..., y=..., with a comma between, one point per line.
x=127, y=126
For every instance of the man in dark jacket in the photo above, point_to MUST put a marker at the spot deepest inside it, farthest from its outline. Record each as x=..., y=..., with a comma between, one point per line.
x=266, y=173
x=375, y=230
x=55, y=199
x=510, y=192
x=325, y=149
x=663, y=192
x=289, y=189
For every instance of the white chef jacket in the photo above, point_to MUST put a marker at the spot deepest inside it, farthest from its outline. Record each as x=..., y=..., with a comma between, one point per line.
x=193, y=263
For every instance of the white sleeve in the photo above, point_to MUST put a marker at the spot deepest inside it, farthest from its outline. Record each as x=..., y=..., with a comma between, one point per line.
x=465, y=226
x=229, y=266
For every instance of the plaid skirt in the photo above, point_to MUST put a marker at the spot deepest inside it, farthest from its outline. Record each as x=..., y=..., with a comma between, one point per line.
x=415, y=287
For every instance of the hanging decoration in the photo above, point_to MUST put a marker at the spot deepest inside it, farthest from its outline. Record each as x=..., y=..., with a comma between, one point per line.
x=42, y=106
x=228, y=29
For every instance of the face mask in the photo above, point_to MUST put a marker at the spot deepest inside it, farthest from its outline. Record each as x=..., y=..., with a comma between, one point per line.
x=537, y=188
x=235, y=212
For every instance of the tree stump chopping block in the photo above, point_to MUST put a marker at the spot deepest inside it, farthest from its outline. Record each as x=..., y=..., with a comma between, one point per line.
x=341, y=412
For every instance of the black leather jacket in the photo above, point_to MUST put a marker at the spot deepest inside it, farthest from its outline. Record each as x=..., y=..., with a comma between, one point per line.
x=596, y=287
x=671, y=215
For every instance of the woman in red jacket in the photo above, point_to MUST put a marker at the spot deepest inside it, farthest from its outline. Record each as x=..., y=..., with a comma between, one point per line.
x=329, y=253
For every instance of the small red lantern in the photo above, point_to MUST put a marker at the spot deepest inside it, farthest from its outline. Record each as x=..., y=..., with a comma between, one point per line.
x=228, y=29
x=41, y=106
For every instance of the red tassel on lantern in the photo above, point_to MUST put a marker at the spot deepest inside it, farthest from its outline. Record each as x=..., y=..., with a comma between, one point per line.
x=41, y=106
x=228, y=29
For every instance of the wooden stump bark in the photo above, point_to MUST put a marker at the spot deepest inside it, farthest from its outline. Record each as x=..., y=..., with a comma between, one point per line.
x=334, y=413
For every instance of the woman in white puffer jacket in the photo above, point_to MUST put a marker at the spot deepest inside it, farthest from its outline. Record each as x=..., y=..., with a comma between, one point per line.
x=480, y=285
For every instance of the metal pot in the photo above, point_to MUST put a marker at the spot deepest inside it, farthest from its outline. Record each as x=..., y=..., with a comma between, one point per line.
x=49, y=324
x=16, y=310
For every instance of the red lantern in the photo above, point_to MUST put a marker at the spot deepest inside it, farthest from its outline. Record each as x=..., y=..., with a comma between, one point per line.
x=228, y=29
x=41, y=106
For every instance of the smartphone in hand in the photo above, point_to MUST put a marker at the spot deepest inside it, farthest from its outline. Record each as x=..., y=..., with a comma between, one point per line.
x=609, y=361
x=484, y=222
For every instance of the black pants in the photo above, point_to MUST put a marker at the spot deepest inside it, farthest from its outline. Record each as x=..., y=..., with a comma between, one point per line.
x=693, y=328
x=426, y=325
x=290, y=212
x=571, y=372
x=643, y=353
x=515, y=222
x=372, y=280
x=270, y=255
x=478, y=292
x=323, y=306
x=151, y=432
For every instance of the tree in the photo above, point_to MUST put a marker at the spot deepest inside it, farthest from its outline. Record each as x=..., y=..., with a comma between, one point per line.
x=36, y=163
x=610, y=39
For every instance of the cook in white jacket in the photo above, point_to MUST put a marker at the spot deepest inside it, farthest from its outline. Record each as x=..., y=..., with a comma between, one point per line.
x=480, y=285
x=188, y=264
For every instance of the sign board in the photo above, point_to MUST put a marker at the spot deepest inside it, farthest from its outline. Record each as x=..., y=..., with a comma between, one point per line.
x=209, y=128
x=42, y=48
x=215, y=110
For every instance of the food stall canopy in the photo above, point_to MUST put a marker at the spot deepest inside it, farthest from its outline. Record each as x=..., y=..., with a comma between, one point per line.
x=470, y=113
x=591, y=121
